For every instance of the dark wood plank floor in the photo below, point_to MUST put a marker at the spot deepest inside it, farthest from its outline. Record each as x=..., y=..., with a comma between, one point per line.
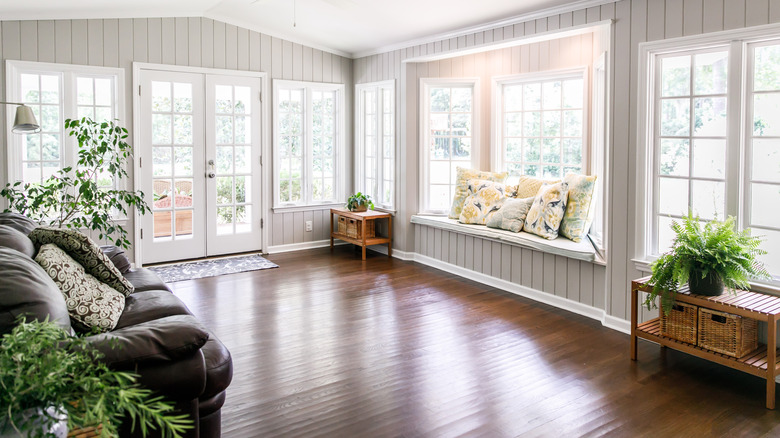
x=327, y=345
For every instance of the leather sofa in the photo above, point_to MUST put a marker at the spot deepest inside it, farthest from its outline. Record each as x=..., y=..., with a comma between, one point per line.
x=156, y=336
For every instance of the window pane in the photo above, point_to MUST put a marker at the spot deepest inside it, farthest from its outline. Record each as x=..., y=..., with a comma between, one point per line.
x=161, y=96
x=710, y=74
x=551, y=150
x=675, y=117
x=162, y=164
x=762, y=197
x=461, y=100
x=673, y=196
x=440, y=172
x=766, y=160
x=708, y=199
x=552, y=124
x=766, y=76
x=513, y=98
x=675, y=76
x=84, y=91
x=674, y=157
x=665, y=234
x=104, y=94
x=532, y=96
x=572, y=93
x=514, y=124
x=440, y=99
x=766, y=114
x=551, y=95
x=770, y=244
x=710, y=117
x=243, y=101
x=572, y=123
x=50, y=89
x=572, y=151
x=30, y=88
x=532, y=124
x=223, y=99
x=709, y=158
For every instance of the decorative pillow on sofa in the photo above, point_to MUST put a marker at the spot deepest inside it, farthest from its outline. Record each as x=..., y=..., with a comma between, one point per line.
x=463, y=176
x=86, y=253
x=484, y=200
x=12, y=238
x=19, y=222
x=580, y=207
x=546, y=212
x=528, y=186
x=511, y=215
x=91, y=304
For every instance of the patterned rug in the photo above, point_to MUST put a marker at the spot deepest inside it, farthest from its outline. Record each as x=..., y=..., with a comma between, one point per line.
x=212, y=268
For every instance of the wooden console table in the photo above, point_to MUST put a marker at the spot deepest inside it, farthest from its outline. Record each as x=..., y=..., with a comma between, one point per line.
x=364, y=217
x=762, y=362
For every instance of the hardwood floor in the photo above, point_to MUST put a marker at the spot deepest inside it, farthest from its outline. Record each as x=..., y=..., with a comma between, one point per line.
x=327, y=345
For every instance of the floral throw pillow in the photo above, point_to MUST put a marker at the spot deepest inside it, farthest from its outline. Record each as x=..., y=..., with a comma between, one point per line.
x=580, y=207
x=485, y=198
x=463, y=176
x=546, y=212
x=528, y=186
x=86, y=252
x=511, y=215
x=92, y=305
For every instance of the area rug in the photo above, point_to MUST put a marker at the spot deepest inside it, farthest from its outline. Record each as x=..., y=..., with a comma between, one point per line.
x=212, y=268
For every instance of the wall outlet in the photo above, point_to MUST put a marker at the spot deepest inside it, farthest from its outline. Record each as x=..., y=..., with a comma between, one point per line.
x=308, y=225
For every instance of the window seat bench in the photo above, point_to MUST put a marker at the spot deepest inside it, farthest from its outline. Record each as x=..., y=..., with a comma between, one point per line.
x=561, y=246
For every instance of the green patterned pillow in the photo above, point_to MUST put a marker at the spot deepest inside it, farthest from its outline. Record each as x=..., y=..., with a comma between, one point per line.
x=463, y=176
x=546, y=212
x=580, y=207
x=86, y=253
x=91, y=304
x=485, y=198
x=511, y=215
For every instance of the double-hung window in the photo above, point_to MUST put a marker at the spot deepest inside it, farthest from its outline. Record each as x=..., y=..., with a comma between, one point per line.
x=710, y=133
x=308, y=143
x=56, y=92
x=375, y=142
x=449, y=115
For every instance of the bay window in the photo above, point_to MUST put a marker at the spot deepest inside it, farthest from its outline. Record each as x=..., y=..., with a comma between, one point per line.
x=375, y=142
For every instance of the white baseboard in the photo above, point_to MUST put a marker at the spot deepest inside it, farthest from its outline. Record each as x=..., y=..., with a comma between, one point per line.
x=301, y=246
x=401, y=255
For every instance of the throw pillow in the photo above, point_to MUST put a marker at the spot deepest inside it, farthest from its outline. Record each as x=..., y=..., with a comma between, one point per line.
x=461, y=186
x=12, y=238
x=511, y=215
x=20, y=222
x=528, y=186
x=580, y=207
x=92, y=305
x=86, y=253
x=484, y=200
x=545, y=215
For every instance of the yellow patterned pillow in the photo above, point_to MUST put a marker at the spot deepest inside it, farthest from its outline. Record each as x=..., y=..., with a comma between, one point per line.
x=544, y=217
x=463, y=176
x=485, y=199
x=580, y=207
x=529, y=186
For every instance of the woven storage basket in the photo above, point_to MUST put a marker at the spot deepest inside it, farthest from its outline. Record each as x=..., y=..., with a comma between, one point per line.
x=727, y=333
x=680, y=323
x=342, y=225
x=355, y=229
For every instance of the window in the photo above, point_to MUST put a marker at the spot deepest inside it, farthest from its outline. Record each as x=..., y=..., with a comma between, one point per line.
x=449, y=113
x=56, y=92
x=375, y=142
x=712, y=133
x=308, y=143
x=598, y=152
x=540, y=129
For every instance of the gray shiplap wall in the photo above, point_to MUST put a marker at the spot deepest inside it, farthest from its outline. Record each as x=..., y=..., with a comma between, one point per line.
x=635, y=21
x=197, y=42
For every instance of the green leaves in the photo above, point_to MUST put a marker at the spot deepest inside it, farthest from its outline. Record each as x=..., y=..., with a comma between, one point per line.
x=358, y=199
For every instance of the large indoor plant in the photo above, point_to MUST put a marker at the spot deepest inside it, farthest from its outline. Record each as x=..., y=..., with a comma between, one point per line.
x=709, y=258
x=88, y=195
x=45, y=374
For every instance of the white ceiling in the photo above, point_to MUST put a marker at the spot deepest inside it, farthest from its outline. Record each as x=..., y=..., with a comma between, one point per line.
x=347, y=27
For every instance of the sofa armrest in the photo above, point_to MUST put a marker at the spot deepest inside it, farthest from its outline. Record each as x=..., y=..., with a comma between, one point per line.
x=161, y=340
x=184, y=379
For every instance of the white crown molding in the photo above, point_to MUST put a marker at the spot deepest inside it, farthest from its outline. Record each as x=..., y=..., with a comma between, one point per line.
x=511, y=21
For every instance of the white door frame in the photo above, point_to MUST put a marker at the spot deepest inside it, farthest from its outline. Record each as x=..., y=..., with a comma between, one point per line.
x=265, y=138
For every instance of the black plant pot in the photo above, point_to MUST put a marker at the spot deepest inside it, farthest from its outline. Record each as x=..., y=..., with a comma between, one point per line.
x=711, y=285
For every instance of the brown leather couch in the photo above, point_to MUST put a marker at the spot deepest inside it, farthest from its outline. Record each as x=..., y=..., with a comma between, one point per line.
x=157, y=336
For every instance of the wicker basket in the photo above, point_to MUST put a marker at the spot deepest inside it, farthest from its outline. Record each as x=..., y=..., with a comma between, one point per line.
x=727, y=333
x=355, y=228
x=342, y=228
x=680, y=323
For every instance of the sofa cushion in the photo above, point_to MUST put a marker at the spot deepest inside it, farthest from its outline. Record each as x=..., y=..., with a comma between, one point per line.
x=219, y=367
x=117, y=257
x=19, y=222
x=463, y=175
x=27, y=290
x=581, y=206
x=546, y=212
x=12, y=238
x=86, y=252
x=92, y=305
x=150, y=305
x=143, y=279
x=511, y=215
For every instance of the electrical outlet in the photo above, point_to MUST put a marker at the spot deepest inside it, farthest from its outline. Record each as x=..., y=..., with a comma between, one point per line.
x=308, y=225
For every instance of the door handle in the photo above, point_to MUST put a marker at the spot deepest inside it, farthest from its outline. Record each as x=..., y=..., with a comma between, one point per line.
x=211, y=174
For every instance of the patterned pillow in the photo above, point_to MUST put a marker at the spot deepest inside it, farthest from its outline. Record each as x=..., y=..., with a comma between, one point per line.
x=528, y=186
x=86, y=253
x=544, y=217
x=91, y=304
x=580, y=207
x=511, y=215
x=485, y=198
x=461, y=186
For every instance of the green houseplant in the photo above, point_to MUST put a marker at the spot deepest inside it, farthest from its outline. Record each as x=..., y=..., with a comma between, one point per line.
x=46, y=374
x=359, y=202
x=709, y=258
x=88, y=195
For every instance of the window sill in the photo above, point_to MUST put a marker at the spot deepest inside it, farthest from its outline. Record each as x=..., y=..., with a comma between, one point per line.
x=297, y=208
x=583, y=250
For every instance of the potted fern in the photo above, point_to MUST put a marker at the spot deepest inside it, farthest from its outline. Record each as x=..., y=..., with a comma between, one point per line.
x=709, y=258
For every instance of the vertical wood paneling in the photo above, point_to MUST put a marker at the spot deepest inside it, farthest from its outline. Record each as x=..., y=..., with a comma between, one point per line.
x=586, y=283
x=549, y=273
x=674, y=18
x=573, y=280
x=297, y=62
x=46, y=45
x=62, y=41
x=561, y=268
x=656, y=13
x=537, y=282
x=469, y=249
x=774, y=11
x=219, y=44
x=231, y=47
x=692, y=17
x=461, y=250
x=168, y=41
x=12, y=47
x=506, y=262
x=756, y=12
x=95, y=42
x=254, y=51
x=297, y=226
x=182, y=41
x=733, y=14
x=242, y=49
x=479, y=257
x=29, y=40
x=712, y=15
x=194, y=42
x=265, y=53
x=79, y=43
x=308, y=66
x=154, y=40
x=207, y=42
x=111, y=43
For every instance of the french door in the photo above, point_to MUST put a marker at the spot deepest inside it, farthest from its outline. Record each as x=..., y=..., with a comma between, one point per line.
x=200, y=164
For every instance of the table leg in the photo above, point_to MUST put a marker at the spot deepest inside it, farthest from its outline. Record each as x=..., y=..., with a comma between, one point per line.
x=364, y=237
x=331, y=231
x=771, y=359
x=634, y=315
x=390, y=236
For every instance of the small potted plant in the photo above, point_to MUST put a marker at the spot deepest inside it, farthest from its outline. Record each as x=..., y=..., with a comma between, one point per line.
x=709, y=258
x=49, y=377
x=359, y=202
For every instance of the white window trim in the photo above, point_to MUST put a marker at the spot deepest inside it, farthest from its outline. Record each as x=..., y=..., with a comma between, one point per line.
x=339, y=145
x=736, y=40
x=496, y=133
x=360, y=146
x=425, y=85
x=68, y=104
x=602, y=196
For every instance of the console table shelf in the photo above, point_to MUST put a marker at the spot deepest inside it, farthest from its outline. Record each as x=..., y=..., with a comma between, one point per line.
x=761, y=362
x=362, y=239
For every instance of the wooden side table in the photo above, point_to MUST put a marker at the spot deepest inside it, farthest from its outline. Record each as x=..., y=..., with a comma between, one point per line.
x=361, y=239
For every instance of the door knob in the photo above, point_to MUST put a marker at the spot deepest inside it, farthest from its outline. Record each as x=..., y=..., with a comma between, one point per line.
x=211, y=174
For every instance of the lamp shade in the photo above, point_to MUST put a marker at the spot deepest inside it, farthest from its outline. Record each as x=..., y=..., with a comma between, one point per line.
x=25, y=122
